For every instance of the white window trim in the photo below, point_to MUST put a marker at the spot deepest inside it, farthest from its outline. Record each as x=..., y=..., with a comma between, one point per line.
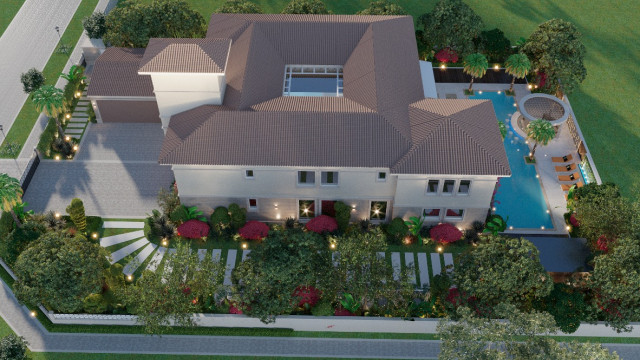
x=386, y=214
x=386, y=175
x=453, y=191
x=252, y=208
x=458, y=193
x=246, y=176
x=315, y=206
x=335, y=184
x=464, y=212
x=306, y=184
x=433, y=218
x=438, y=188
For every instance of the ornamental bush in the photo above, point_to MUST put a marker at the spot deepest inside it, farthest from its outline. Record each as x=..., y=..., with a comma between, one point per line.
x=193, y=229
x=306, y=295
x=396, y=230
x=238, y=216
x=322, y=224
x=343, y=215
x=76, y=212
x=239, y=7
x=447, y=55
x=95, y=25
x=254, y=230
x=31, y=80
x=445, y=233
x=305, y=7
x=13, y=347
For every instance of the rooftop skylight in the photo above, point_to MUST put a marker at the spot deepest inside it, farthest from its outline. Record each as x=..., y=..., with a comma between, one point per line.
x=312, y=80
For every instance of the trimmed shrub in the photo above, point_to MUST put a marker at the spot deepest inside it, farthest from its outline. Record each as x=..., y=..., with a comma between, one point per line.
x=20, y=239
x=239, y=7
x=6, y=224
x=158, y=226
x=305, y=7
x=321, y=224
x=220, y=218
x=31, y=80
x=94, y=223
x=193, y=229
x=254, y=230
x=382, y=7
x=76, y=212
x=445, y=233
x=13, y=347
x=343, y=215
x=179, y=214
x=308, y=296
x=447, y=55
x=47, y=137
x=238, y=216
x=322, y=308
x=396, y=230
x=95, y=304
x=95, y=25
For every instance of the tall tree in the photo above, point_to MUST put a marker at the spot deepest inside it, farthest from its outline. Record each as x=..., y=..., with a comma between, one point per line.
x=95, y=25
x=502, y=269
x=476, y=66
x=556, y=49
x=522, y=336
x=239, y=7
x=306, y=7
x=13, y=347
x=10, y=195
x=264, y=284
x=518, y=66
x=383, y=7
x=175, y=291
x=541, y=132
x=59, y=271
x=451, y=23
x=494, y=44
x=616, y=280
x=49, y=100
x=133, y=24
x=31, y=80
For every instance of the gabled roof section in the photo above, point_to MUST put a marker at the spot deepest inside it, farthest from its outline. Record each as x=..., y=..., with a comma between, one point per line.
x=312, y=104
x=454, y=137
x=115, y=73
x=207, y=55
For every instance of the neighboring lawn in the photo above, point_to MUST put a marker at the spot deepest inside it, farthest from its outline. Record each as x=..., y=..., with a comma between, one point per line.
x=28, y=115
x=8, y=9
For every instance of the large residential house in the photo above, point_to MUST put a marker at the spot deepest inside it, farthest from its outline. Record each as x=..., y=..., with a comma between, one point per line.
x=286, y=114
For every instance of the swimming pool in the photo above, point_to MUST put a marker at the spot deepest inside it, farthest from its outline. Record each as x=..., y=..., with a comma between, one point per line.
x=519, y=197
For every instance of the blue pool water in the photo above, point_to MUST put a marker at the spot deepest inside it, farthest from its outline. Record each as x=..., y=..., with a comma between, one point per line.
x=519, y=197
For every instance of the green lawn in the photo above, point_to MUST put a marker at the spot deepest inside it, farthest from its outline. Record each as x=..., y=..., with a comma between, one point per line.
x=28, y=115
x=8, y=9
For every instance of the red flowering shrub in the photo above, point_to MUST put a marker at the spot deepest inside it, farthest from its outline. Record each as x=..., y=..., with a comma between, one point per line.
x=574, y=222
x=604, y=243
x=307, y=295
x=321, y=224
x=447, y=55
x=193, y=229
x=445, y=233
x=454, y=297
x=234, y=310
x=542, y=79
x=254, y=230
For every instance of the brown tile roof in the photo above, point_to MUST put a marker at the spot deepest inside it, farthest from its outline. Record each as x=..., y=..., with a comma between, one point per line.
x=185, y=55
x=115, y=73
x=454, y=137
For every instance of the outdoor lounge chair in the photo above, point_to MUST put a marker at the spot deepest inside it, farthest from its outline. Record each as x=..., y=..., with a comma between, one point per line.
x=562, y=159
x=566, y=168
x=566, y=187
x=572, y=177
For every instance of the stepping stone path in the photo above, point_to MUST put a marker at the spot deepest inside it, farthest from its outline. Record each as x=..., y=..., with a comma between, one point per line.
x=79, y=118
x=425, y=267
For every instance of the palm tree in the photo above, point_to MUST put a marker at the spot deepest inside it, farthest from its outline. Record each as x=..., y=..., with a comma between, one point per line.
x=540, y=131
x=75, y=74
x=10, y=195
x=50, y=100
x=517, y=65
x=476, y=66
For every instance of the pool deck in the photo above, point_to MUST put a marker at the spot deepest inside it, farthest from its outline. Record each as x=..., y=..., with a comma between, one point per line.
x=561, y=145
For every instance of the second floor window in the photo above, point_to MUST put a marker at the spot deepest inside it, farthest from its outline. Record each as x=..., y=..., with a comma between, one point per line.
x=448, y=186
x=306, y=177
x=463, y=188
x=432, y=186
x=329, y=178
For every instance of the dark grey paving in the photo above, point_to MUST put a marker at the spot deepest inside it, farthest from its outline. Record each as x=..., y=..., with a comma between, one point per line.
x=121, y=142
x=107, y=189
x=559, y=254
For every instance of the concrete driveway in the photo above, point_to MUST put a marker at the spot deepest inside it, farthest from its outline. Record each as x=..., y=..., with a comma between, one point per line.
x=115, y=173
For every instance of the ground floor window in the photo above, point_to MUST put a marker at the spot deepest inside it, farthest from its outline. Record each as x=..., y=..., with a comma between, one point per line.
x=431, y=214
x=253, y=204
x=328, y=208
x=454, y=214
x=306, y=209
x=378, y=210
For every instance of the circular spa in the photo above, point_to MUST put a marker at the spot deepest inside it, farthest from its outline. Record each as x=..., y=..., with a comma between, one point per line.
x=542, y=106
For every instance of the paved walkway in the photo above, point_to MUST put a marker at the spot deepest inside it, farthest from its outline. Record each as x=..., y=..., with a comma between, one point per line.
x=28, y=42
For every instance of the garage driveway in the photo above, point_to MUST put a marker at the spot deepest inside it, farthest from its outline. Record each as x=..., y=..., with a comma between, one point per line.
x=115, y=173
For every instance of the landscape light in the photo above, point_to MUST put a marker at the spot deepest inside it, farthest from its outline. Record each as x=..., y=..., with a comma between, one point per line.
x=57, y=157
x=244, y=246
x=530, y=86
x=33, y=313
x=443, y=66
x=67, y=138
x=510, y=227
x=493, y=208
x=68, y=116
x=129, y=277
x=537, y=176
x=496, y=67
x=57, y=215
x=75, y=147
x=78, y=94
x=542, y=227
x=568, y=228
x=548, y=211
x=499, y=92
x=165, y=242
x=94, y=235
x=332, y=246
x=439, y=249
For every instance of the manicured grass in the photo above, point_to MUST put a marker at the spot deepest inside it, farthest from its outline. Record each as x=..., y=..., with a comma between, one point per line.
x=8, y=9
x=28, y=115
x=88, y=356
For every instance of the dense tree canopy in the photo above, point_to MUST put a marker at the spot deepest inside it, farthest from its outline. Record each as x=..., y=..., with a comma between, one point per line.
x=306, y=7
x=555, y=49
x=264, y=283
x=60, y=271
x=451, y=23
x=175, y=291
x=494, y=44
x=132, y=24
x=31, y=80
x=518, y=338
x=239, y=7
x=503, y=269
x=383, y=7
x=616, y=280
x=95, y=25
x=567, y=306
